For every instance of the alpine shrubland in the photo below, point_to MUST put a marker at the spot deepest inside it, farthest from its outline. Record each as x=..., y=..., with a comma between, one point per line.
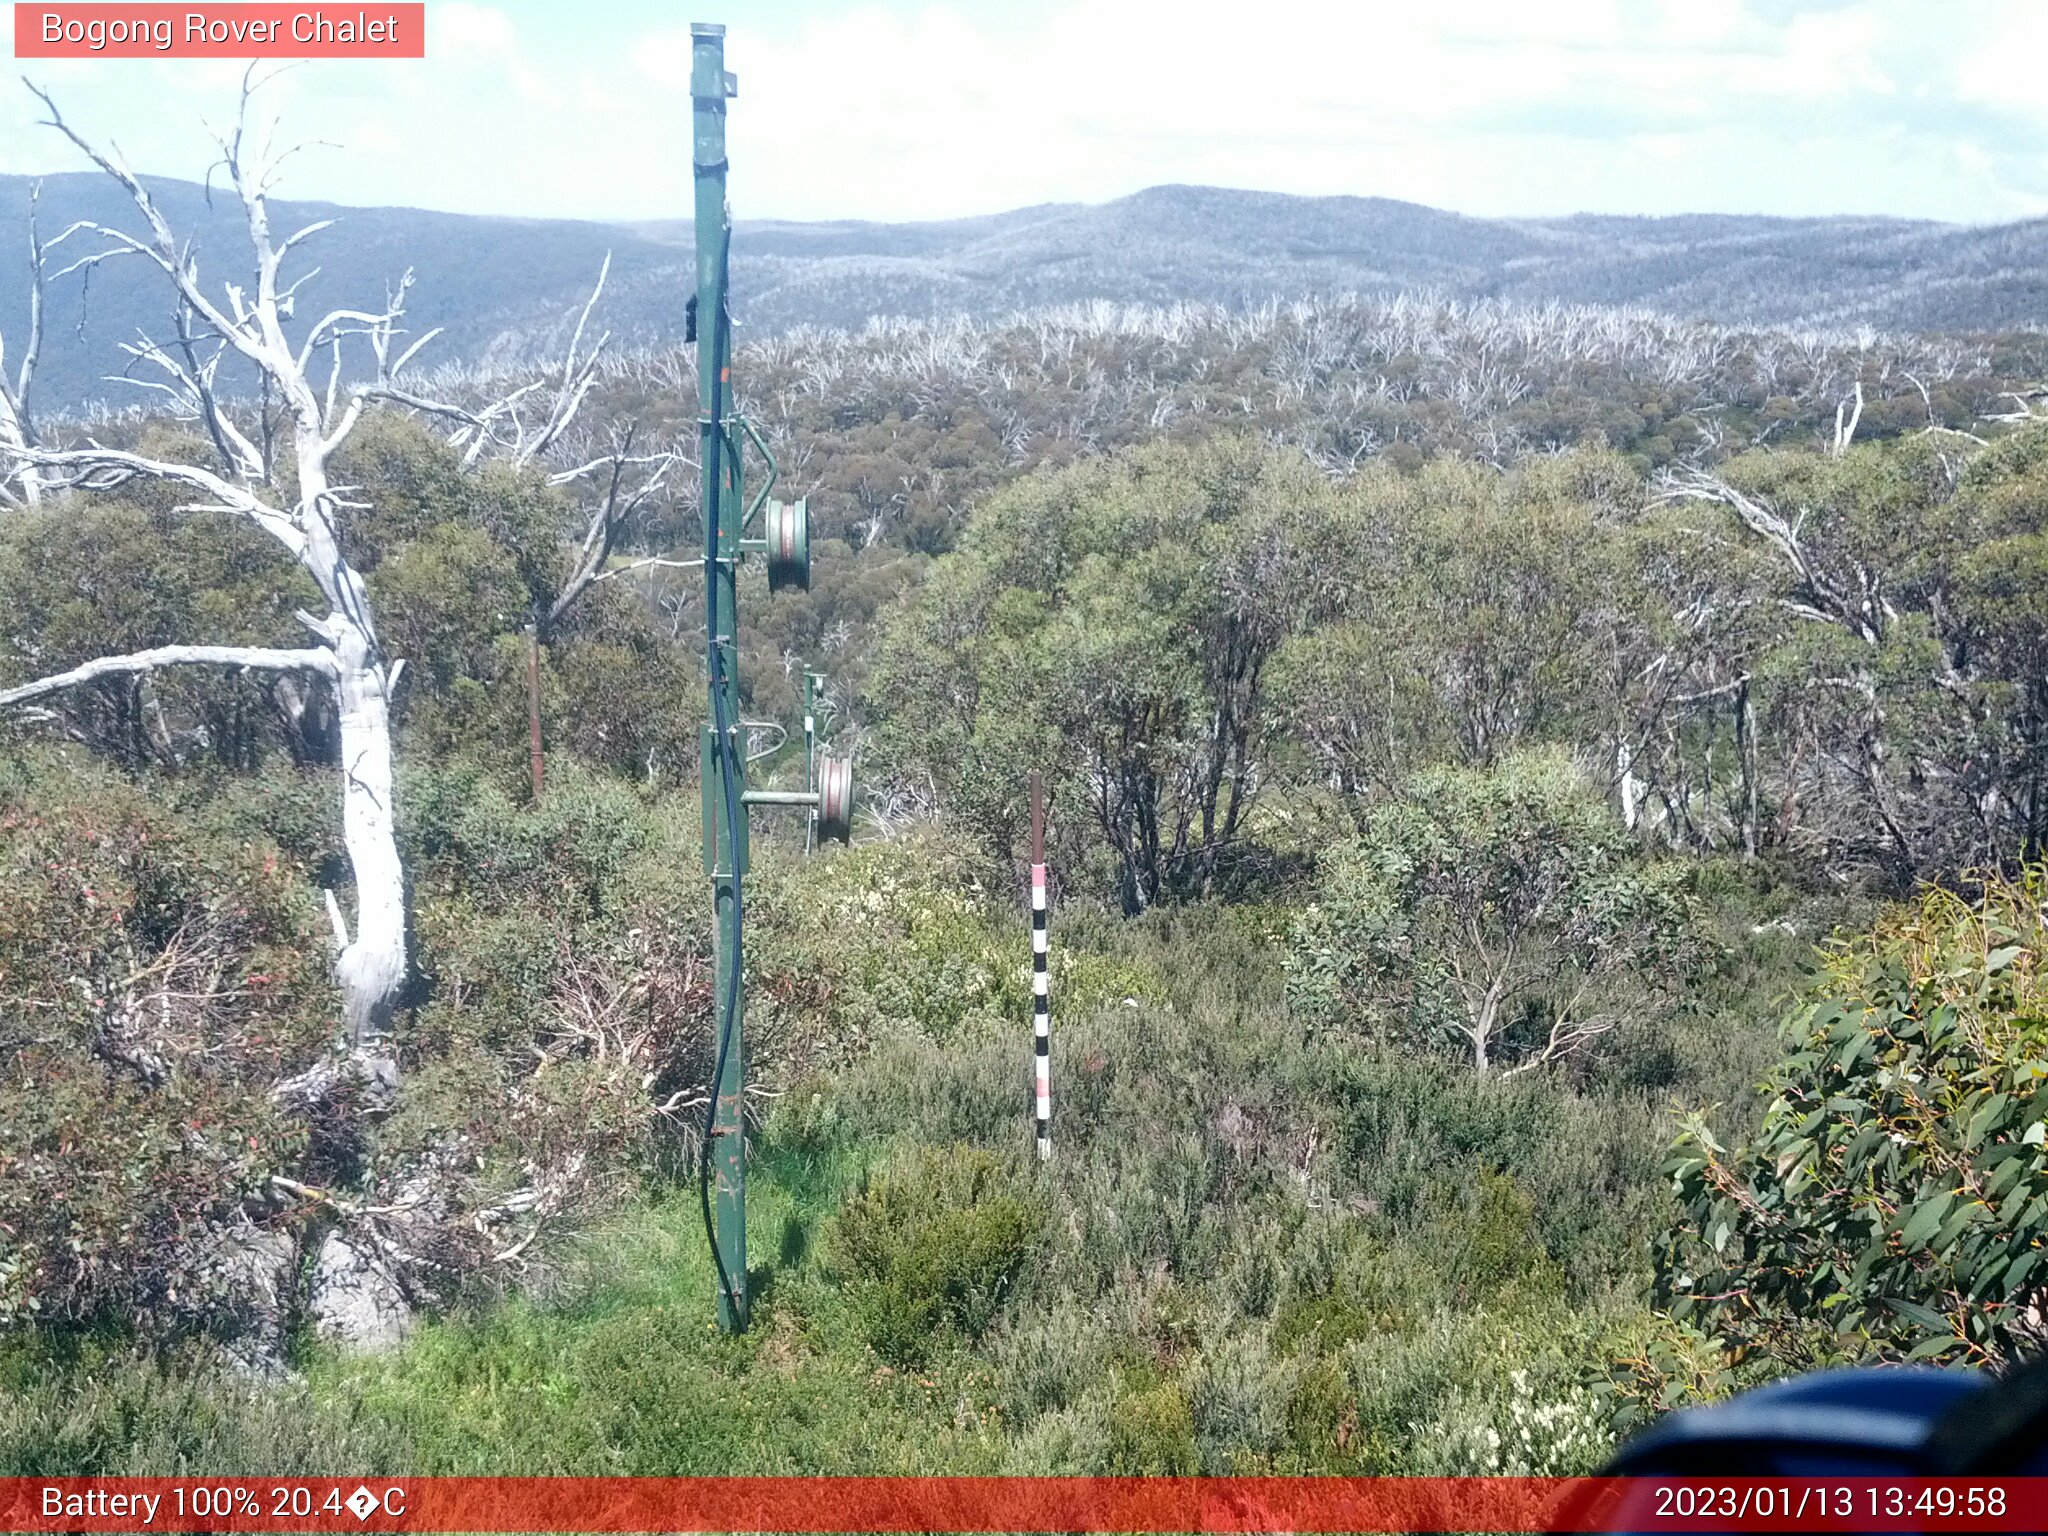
x=1474, y=734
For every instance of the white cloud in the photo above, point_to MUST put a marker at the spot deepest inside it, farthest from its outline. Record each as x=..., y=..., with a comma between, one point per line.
x=2003, y=68
x=928, y=109
x=910, y=112
x=483, y=49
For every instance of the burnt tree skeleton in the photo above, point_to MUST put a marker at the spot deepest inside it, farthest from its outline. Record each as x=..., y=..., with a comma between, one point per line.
x=1859, y=607
x=17, y=426
x=249, y=324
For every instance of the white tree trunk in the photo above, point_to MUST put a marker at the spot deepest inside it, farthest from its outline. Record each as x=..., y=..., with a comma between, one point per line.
x=1628, y=788
x=12, y=435
x=372, y=965
x=1745, y=740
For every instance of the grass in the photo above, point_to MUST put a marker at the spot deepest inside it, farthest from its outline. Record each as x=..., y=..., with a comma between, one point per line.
x=628, y=1375
x=1253, y=1252
x=619, y=1371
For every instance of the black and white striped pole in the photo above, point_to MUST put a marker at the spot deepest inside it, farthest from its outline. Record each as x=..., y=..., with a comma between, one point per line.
x=811, y=681
x=1041, y=980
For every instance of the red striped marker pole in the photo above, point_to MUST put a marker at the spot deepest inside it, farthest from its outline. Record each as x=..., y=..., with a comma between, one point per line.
x=1041, y=982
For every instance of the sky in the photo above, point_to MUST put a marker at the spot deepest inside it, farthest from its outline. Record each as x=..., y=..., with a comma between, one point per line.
x=901, y=109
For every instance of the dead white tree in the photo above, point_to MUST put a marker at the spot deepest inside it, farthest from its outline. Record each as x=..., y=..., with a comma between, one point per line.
x=1847, y=415
x=246, y=325
x=506, y=427
x=17, y=427
x=1854, y=600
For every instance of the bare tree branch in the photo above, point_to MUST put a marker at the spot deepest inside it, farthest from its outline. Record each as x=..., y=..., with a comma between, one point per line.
x=241, y=332
x=578, y=374
x=610, y=515
x=257, y=658
x=1824, y=598
x=102, y=469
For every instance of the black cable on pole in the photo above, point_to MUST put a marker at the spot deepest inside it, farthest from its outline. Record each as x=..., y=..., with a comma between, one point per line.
x=721, y=338
x=730, y=774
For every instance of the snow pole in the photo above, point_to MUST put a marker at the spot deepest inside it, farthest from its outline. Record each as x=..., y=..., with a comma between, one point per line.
x=1041, y=980
x=811, y=681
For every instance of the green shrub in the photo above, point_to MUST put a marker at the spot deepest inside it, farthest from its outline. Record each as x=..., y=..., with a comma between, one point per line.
x=854, y=949
x=882, y=935
x=933, y=1247
x=1152, y=1434
x=1499, y=1241
x=101, y=1412
x=1894, y=1202
x=1238, y=1397
x=154, y=983
x=1326, y=1322
x=291, y=806
x=1052, y=1356
x=1322, y=1417
x=568, y=858
x=1505, y=915
x=83, y=577
x=582, y=918
x=1414, y=1137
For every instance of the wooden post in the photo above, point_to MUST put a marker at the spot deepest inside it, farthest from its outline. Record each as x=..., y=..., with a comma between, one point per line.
x=533, y=705
x=1041, y=981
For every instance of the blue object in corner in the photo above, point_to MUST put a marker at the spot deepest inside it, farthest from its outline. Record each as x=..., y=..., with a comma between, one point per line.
x=1862, y=1421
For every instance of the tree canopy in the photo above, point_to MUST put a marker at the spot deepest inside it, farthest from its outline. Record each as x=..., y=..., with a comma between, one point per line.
x=1508, y=911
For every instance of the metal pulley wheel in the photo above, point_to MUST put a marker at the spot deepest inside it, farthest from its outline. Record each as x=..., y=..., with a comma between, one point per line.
x=835, y=798
x=788, y=537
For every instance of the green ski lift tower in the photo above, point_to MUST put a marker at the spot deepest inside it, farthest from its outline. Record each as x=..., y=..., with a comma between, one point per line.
x=784, y=541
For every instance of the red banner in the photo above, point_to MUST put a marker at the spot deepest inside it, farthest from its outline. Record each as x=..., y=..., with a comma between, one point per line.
x=989, y=1504
x=102, y=31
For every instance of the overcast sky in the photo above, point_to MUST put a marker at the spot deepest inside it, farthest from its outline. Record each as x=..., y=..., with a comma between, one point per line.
x=904, y=109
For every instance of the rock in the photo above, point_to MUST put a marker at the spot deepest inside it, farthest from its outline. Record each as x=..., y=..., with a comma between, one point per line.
x=252, y=1271
x=353, y=1300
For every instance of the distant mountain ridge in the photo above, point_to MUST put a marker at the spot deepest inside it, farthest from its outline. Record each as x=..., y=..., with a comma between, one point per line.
x=503, y=289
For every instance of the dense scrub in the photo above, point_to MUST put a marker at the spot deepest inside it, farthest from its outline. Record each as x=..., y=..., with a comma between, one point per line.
x=1506, y=913
x=1254, y=1250
x=154, y=981
x=1825, y=658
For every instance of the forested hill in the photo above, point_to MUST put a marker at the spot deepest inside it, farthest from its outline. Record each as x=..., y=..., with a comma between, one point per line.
x=492, y=282
x=1213, y=244
x=484, y=280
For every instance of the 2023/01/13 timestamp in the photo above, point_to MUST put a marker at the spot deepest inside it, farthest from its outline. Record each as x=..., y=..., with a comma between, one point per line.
x=1823, y=1501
